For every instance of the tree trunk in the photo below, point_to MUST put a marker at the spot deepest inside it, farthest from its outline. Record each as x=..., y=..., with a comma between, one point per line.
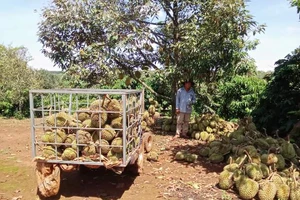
x=174, y=91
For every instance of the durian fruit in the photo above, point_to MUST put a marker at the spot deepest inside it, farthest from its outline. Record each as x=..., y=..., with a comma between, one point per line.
x=138, y=74
x=294, y=187
x=83, y=137
x=99, y=104
x=74, y=145
x=267, y=190
x=117, y=144
x=208, y=129
x=87, y=124
x=82, y=115
x=95, y=120
x=150, y=122
x=271, y=141
x=262, y=143
x=46, y=136
x=128, y=81
x=108, y=133
x=151, y=110
x=265, y=170
x=269, y=159
x=156, y=116
x=114, y=106
x=253, y=171
x=283, y=190
x=238, y=177
x=48, y=151
x=152, y=156
x=197, y=135
x=57, y=136
x=70, y=138
x=248, y=188
x=211, y=137
x=212, y=124
x=287, y=150
x=215, y=149
x=144, y=126
x=89, y=150
x=204, y=136
x=226, y=180
x=204, y=151
x=215, y=143
x=145, y=115
x=294, y=190
x=69, y=154
x=191, y=158
x=280, y=165
x=113, y=156
x=216, y=158
x=231, y=167
x=225, y=149
x=180, y=155
x=103, y=146
x=117, y=123
x=61, y=119
x=195, y=127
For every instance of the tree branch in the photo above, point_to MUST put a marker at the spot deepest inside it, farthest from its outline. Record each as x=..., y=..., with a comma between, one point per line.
x=146, y=59
x=125, y=68
x=151, y=23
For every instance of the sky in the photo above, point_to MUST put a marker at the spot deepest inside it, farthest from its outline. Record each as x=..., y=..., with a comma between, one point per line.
x=19, y=26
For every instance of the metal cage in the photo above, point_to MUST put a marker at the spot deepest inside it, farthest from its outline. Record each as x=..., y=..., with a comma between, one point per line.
x=55, y=115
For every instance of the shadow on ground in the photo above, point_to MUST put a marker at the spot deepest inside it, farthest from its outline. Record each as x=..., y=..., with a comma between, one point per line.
x=100, y=183
x=189, y=145
x=194, y=148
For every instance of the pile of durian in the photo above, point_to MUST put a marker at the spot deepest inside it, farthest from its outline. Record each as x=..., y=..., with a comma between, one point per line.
x=257, y=165
x=208, y=127
x=263, y=180
x=75, y=137
x=150, y=116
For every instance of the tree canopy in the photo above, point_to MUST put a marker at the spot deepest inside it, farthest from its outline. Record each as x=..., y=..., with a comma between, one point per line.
x=282, y=96
x=95, y=40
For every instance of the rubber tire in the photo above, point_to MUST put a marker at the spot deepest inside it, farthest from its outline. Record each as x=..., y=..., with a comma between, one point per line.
x=148, y=141
x=48, y=179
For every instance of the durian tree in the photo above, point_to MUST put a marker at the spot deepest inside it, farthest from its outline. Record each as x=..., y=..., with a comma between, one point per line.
x=95, y=40
x=281, y=96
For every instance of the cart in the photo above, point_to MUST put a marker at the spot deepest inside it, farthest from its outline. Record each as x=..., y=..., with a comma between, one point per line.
x=75, y=128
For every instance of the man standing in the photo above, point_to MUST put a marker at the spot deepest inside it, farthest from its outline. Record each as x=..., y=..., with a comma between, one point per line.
x=185, y=98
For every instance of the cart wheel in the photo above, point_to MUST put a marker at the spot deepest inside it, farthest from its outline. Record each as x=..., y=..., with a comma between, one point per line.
x=48, y=179
x=148, y=141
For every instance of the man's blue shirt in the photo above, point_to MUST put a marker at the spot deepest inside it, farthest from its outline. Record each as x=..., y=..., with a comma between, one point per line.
x=185, y=99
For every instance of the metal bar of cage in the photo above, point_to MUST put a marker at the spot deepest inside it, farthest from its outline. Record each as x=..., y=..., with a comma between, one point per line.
x=124, y=127
x=87, y=91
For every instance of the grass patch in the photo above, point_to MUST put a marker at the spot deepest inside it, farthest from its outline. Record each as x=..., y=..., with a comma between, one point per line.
x=8, y=169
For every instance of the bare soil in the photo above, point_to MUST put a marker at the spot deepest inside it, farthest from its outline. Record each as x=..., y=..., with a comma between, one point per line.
x=165, y=179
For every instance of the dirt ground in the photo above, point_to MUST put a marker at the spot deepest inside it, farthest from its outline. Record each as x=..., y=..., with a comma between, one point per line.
x=165, y=179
